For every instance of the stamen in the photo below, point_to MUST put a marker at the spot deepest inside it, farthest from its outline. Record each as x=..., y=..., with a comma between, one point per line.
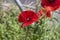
x=28, y=19
x=51, y=1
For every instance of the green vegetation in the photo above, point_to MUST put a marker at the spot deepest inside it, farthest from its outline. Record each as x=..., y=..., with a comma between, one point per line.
x=10, y=28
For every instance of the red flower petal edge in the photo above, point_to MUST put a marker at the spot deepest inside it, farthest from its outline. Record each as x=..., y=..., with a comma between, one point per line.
x=27, y=18
x=48, y=14
x=40, y=13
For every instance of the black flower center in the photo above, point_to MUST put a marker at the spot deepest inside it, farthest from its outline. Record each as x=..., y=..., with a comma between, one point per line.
x=51, y=1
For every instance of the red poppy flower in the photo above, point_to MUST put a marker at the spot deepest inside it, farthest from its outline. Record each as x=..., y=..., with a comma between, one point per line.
x=27, y=18
x=48, y=14
x=39, y=13
x=51, y=4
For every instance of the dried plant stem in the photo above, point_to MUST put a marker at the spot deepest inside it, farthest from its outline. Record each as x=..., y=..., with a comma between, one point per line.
x=20, y=5
x=37, y=4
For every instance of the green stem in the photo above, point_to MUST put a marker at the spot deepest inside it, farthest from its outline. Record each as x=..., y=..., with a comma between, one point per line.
x=27, y=32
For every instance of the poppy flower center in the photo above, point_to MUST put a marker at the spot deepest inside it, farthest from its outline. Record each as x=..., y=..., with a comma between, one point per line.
x=28, y=19
x=51, y=1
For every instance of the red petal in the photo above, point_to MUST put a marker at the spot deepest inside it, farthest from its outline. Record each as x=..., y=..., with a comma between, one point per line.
x=21, y=18
x=48, y=14
x=26, y=24
x=40, y=13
